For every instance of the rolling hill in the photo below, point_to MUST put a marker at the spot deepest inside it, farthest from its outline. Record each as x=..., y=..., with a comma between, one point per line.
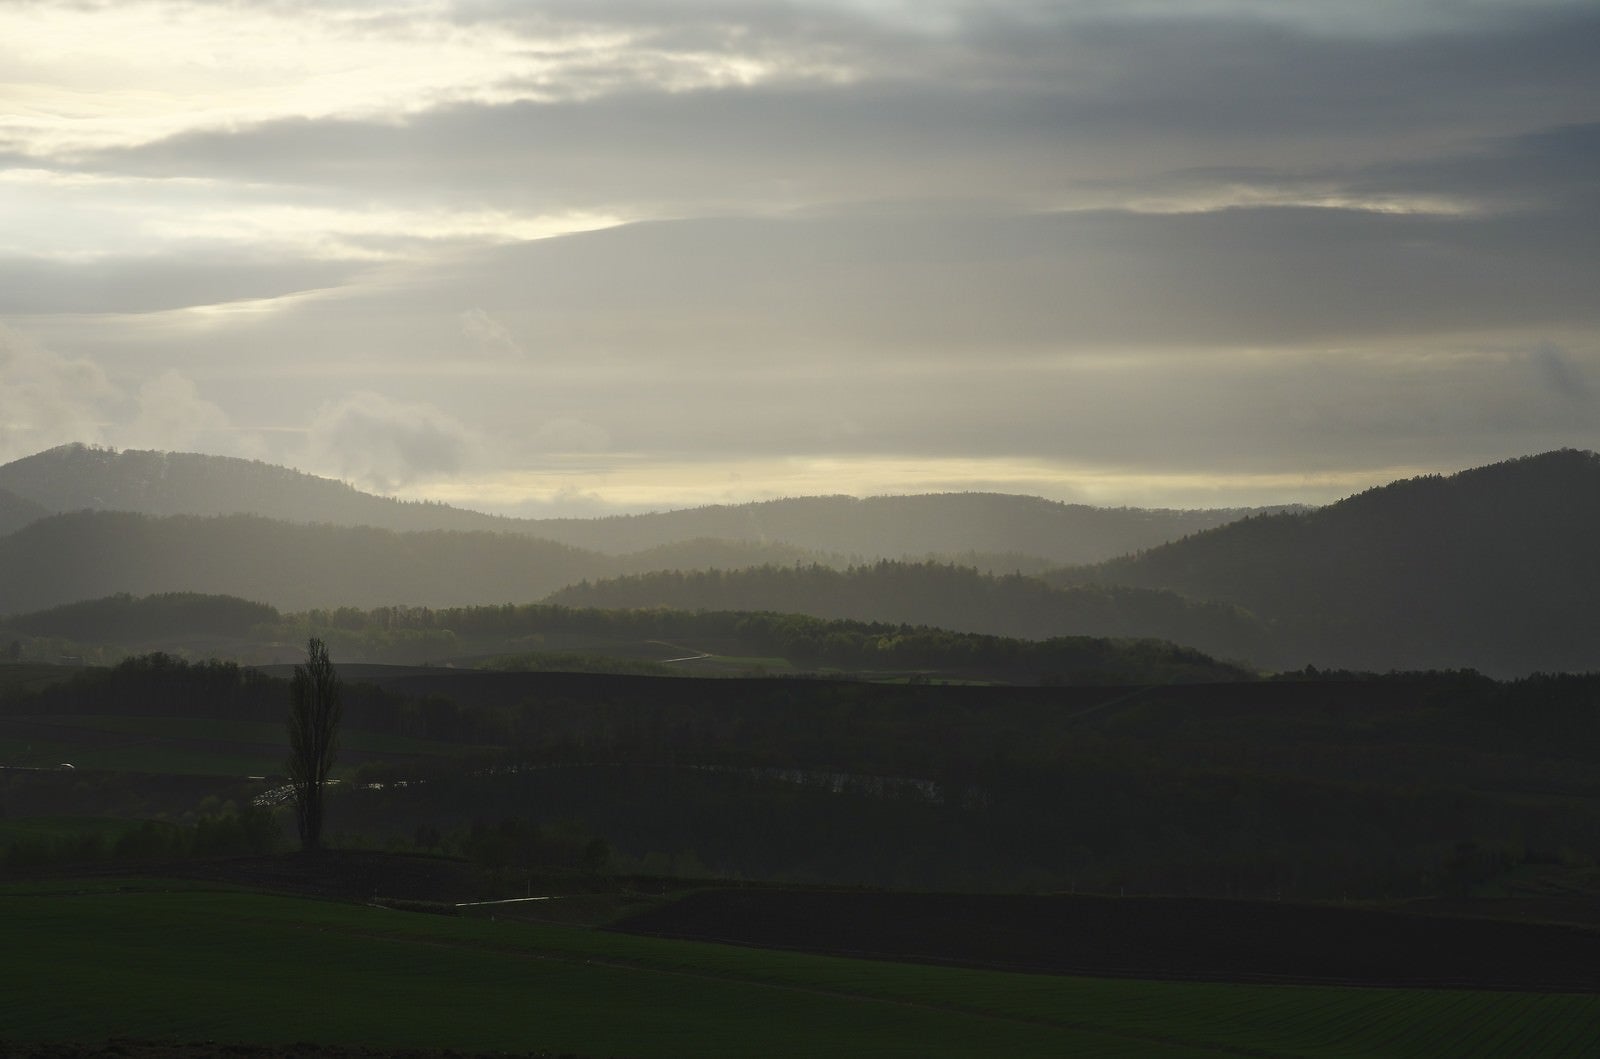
x=79, y=477
x=943, y=595
x=1006, y=532
x=91, y=554
x=894, y=527
x=1494, y=568
x=16, y=511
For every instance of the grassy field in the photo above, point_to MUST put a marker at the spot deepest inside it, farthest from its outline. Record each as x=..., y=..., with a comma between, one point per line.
x=189, y=964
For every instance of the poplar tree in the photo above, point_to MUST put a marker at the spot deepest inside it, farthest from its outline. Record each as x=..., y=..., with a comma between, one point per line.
x=314, y=712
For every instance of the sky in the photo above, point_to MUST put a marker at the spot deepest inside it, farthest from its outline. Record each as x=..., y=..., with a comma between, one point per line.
x=576, y=258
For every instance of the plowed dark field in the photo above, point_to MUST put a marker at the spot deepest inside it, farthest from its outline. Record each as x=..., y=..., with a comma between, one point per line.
x=352, y=875
x=1144, y=937
x=134, y=1049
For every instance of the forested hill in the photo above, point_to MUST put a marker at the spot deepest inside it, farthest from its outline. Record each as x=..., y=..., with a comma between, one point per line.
x=90, y=554
x=76, y=478
x=942, y=595
x=132, y=619
x=1496, y=568
x=16, y=511
x=894, y=527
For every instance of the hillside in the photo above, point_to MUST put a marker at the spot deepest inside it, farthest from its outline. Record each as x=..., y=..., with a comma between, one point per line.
x=16, y=511
x=1495, y=568
x=91, y=554
x=946, y=596
x=76, y=477
x=61, y=559
x=893, y=527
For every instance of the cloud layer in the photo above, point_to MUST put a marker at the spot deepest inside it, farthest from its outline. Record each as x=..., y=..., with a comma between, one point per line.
x=449, y=246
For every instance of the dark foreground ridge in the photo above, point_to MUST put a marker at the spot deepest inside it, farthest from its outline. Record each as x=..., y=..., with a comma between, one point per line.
x=1144, y=937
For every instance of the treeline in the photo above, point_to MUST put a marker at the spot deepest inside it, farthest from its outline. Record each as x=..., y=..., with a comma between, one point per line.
x=231, y=831
x=808, y=642
x=123, y=618
x=942, y=595
x=509, y=632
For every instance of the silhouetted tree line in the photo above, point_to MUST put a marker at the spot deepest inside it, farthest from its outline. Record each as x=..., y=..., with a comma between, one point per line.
x=808, y=642
x=942, y=595
x=236, y=832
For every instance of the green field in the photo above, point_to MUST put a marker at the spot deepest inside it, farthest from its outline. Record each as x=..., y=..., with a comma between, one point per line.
x=191, y=964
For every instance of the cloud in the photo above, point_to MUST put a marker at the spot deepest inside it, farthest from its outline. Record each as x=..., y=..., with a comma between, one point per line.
x=1141, y=233
x=174, y=417
x=47, y=399
x=1563, y=375
x=1018, y=104
x=831, y=293
x=386, y=444
x=489, y=336
x=156, y=282
x=565, y=435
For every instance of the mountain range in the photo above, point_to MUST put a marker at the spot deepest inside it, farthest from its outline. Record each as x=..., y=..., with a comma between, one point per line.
x=1492, y=568
x=997, y=529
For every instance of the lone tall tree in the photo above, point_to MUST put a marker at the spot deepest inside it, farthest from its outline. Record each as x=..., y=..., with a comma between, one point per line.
x=314, y=712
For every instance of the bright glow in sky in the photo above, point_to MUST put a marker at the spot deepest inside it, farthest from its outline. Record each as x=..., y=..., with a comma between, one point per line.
x=588, y=256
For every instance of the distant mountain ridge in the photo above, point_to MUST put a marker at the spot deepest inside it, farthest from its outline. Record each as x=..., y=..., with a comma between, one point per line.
x=81, y=477
x=908, y=526
x=77, y=477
